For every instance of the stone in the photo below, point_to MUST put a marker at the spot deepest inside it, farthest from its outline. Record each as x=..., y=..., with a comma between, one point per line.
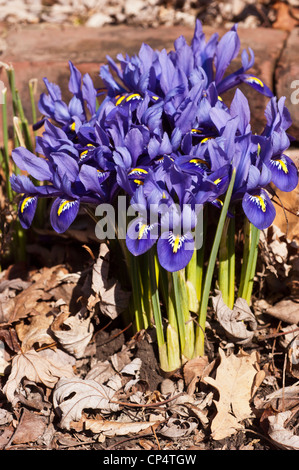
x=98, y=20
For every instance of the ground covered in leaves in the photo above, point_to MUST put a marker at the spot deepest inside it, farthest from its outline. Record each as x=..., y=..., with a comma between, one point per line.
x=74, y=375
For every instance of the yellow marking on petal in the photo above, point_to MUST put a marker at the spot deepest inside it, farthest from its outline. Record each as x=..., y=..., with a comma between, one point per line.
x=205, y=139
x=155, y=97
x=89, y=145
x=176, y=244
x=138, y=170
x=283, y=166
x=218, y=180
x=258, y=149
x=120, y=100
x=198, y=160
x=82, y=154
x=25, y=202
x=196, y=131
x=262, y=203
x=255, y=80
x=132, y=96
x=219, y=98
x=220, y=202
x=139, y=182
x=141, y=231
x=73, y=126
x=62, y=206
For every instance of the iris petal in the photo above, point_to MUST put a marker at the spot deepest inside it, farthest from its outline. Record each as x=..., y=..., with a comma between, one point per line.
x=26, y=210
x=175, y=251
x=259, y=209
x=284, y=173
x=63, y=213
x=258, y=85
x=141, y=236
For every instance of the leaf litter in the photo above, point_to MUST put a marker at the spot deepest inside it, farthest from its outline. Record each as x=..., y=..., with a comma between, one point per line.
x=72, y=376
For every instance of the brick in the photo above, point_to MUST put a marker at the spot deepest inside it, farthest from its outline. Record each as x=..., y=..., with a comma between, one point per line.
x=37, y=51
x=287, y=75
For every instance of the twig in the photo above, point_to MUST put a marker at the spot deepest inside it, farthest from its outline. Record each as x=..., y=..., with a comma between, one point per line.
x=275, y=335
x=147, y=405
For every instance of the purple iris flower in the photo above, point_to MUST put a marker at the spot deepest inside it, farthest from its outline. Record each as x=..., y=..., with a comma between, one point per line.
x=72, y=115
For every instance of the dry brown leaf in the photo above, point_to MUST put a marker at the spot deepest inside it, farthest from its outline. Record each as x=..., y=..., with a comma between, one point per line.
x=177, y=427
x=282, y=399
x=286, y=310
x=234, y=321
x=234, y=381
x=112, y=299
x=193, y=371
x=72, y=396
x=35, y=298
x=101, y=372
x=282, y=436
x=34, y=367
x=78, y=335
x=117, y=428
x=36, y=332
x=30, y=428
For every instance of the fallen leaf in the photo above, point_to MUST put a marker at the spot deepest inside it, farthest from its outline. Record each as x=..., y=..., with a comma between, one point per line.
x=34, y=367
x=117, y=428
x=77, y=336
x=177, y=427
x=280, y=400
x=100, y=372
x=35, y=332
x=193, y=371
x=234, y=321
x=31, y=426
x=112, y=299
x=72, y=396
x=283, y=437
x=133, y=367
x=235, y=377
x=286, y=310
x=35, y=299
x=5, y=417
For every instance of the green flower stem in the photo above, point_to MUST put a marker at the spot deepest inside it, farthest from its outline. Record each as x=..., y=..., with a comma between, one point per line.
x=184, y=319
x=251, y=264
x=145, y=289
x=162, y=346
x=223, y=275
x=24, y=123
x=227, y=262
x=32, y=92
x=200, y=330
x=137, y=294
x=232, y=262
x=5, y=145
x=12, y=85
x=192, y=278
x=246, y=247
x=172, y=335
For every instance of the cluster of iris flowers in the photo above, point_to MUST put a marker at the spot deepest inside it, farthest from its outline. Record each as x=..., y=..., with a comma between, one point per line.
x=164, y=137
